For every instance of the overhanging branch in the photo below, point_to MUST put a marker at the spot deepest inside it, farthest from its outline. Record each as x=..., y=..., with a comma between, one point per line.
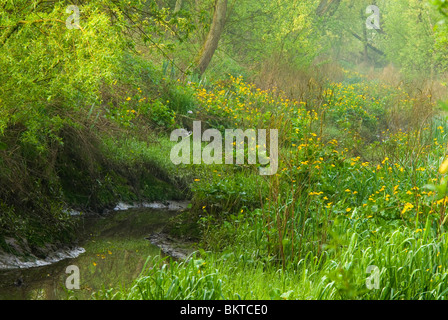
x=14, y=28
x=369, y=45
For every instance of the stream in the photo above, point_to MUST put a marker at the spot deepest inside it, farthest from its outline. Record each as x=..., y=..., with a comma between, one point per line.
x=115, y=251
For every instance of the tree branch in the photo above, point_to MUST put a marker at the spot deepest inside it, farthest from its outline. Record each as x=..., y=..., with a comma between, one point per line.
x=369, y=45
x=15, y=27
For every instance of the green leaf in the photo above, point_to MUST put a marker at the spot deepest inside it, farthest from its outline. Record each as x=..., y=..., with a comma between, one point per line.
x=443, y=105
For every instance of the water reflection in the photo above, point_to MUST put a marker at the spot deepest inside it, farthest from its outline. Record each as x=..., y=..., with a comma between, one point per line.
x=116, y=251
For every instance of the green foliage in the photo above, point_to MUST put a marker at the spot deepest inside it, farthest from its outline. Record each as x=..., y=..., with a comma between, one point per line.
x=327, y=214
x=191, y=280
x=441, y=5
x=59, y=97
x=244, y=269
x=83, y=122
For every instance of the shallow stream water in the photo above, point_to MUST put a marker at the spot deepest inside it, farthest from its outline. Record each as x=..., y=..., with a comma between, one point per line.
x=115, y=253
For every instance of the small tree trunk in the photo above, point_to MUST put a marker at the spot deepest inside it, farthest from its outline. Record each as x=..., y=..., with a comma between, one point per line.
x=330, y=7
x=178, y=5
x=366, y=45
x=213, y=37
x=321, y=8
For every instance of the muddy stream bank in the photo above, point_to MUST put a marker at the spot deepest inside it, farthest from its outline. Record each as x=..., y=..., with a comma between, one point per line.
x=112, y=251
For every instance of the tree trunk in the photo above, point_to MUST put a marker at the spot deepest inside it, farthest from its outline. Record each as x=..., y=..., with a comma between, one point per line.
x=321, y=8
x=327, y=6
x=366, y=43
x=178, y=5
x=213, y=37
